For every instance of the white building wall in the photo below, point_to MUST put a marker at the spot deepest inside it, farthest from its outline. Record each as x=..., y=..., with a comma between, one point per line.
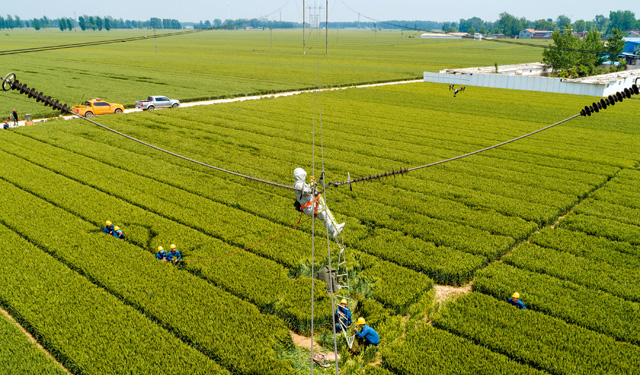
x=544, y=84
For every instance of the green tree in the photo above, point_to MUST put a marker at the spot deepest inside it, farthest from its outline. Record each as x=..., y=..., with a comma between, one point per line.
x=36, y=23
x=62, y=24
x=562, y=55
x=601, y=22
x=563, y=21
x=580, y=26
x=82, y=23
x=107, y=23
x=544, y=25
x=589, y=61
x=70, y=25
x=615, y=44
x=471, y=31
x=155, y=23
x=622, y=20
x=99, y=23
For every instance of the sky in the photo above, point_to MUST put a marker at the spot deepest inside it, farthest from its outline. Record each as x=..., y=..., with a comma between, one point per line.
x=339, y=10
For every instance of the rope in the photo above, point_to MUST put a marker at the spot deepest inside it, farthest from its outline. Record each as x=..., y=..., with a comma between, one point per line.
x=300, y=222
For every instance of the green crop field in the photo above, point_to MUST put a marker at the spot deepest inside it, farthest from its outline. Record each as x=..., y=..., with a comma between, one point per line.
x=554, y=216
x=216, y=64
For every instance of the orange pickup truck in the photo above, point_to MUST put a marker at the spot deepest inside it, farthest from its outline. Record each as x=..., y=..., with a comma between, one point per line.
x=97, y=106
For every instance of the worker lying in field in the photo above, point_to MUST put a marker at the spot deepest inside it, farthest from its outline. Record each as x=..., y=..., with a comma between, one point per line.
x=310, y=203
x=108, y=229
x=367, y=333
x=174, y=255
x=118, y=233
x=343, y=315
x=515, y=301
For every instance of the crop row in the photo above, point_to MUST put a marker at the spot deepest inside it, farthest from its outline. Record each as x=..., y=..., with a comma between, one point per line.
x=355, y=142
x=215, y=219
x=87, y=329
x=609, y=210
x=489, y=115
x=246, y=161
x=148, y=230
x=454, y=235
x=621, y=194
x=592, y=247
x=427, y=350
x=434, y=133
x=531, y=337
x=216, y=322
x=342, y=161
x=618, y=280
x=573, y=303
x=441, y=263
x=607, y=228
x=394, y=286
x=19, y=356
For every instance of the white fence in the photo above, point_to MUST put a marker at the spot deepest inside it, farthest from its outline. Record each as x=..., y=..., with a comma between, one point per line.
x=544, y=84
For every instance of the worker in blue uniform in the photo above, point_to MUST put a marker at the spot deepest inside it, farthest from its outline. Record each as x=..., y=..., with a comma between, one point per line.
x=367, y=333
x=343, y=315
x=108, y=229
x=174, y=255
x=117, y=233
x=161, y=254
x=515, y=301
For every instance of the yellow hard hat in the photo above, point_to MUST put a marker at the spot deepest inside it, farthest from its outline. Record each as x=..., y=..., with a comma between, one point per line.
x=160, y=248
x=516, y=295
x=108, y=223
x=361, y=321
x=117, y=228
x=172, y=246
x=343, y=301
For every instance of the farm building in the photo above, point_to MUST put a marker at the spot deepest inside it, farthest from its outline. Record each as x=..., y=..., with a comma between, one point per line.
x=529, y=77
x=440, y=36
x=631, y=45
x=534, y=34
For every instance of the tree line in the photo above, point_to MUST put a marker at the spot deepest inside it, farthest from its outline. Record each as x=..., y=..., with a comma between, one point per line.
x=510, y=25
x=88, y=23
x=577, y=57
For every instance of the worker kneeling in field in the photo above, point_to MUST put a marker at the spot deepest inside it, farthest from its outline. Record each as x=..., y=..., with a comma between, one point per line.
x=343, y=315
x=108, y=229
x=515, y=301
x=306, y=199
x=161, y=254
x=117, y=233
x=367, y=333
x=174, y=255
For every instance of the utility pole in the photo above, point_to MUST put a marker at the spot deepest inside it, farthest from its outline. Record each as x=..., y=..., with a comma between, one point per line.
x=304, y=16
x=326, y=29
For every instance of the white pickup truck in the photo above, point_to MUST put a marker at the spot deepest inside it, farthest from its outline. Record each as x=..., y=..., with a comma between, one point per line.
x=154, y=102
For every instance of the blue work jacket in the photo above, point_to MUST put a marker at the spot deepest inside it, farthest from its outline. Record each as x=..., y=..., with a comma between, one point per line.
x=346, y=311
x=519, y=304
x=118, y=234
x=369, y=334
x=161, y=255
x=174, y=253
x=108, y=229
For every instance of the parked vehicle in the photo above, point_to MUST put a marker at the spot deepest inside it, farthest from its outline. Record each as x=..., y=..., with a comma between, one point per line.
x=97, y=106
x=154, y=102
